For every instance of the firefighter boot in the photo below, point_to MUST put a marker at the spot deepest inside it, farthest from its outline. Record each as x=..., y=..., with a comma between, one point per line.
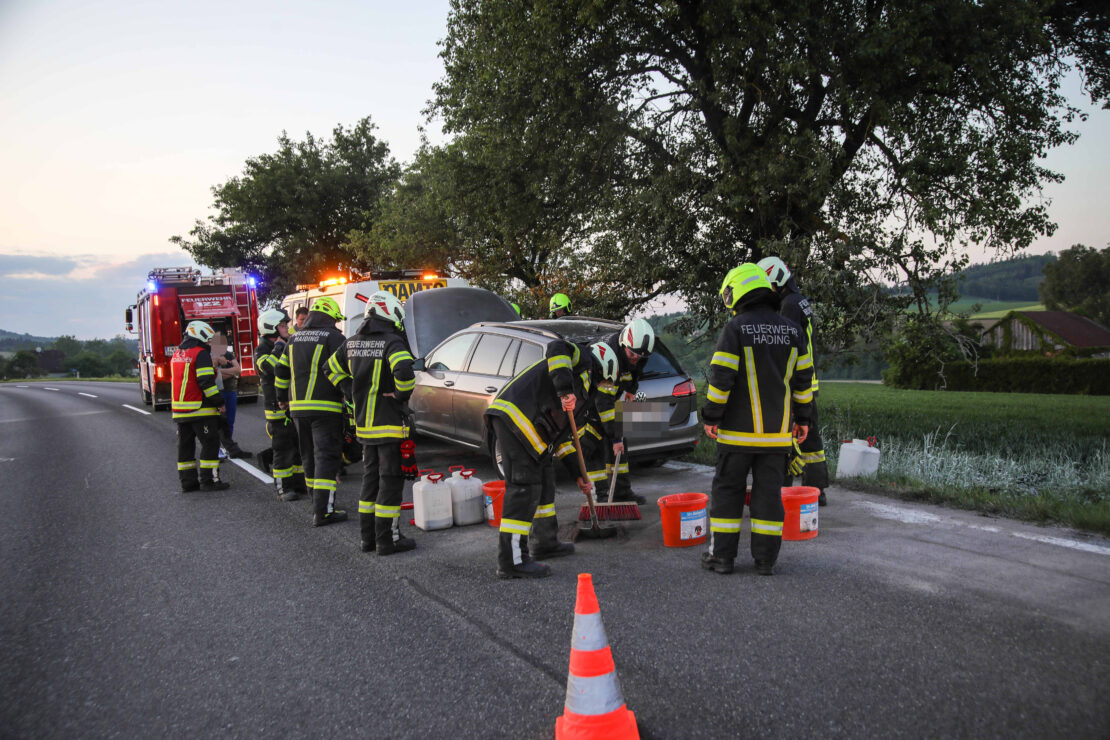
x=289, y=490
x=717, y=564
x=368, y=538
x=546, y=544
x=321, y=499
x=513, y=560
x=266, y=460
x=389, y=538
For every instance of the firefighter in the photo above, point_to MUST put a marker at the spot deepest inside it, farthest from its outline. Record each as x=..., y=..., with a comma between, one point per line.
x=285, y=455
x=315, y=404
x=632, y=345
x=529, y=420
x=374, y=370
x=196, y=406
x=798, y=309
x=559, y=306
x=600, y=419
x=760, y=368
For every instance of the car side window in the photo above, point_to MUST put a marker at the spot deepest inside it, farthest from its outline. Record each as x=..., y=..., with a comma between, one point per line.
x=509, y=361
x=529, y=354
x=451, y=354
x=489, y=354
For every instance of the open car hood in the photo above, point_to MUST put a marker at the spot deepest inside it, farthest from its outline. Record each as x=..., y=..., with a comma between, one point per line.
x=433, y=315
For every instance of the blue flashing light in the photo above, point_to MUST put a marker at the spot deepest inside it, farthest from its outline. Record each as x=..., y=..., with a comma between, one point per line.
x=152, y=286
x=252, y=281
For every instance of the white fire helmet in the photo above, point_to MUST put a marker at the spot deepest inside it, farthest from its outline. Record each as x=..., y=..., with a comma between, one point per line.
x=385, y=305
x=639, y=337
x=606, y=360
x=200, y=330
x=269, y=319
x=777, y=271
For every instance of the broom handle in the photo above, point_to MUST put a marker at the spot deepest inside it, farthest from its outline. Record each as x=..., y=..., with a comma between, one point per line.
x=582, y=467
x=613, y=482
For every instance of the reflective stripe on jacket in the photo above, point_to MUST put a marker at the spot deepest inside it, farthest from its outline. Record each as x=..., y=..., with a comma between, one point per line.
x=759, y=370
x=193, y=382
x=301, y=375
x=368, y=367
x=530, y=405
x=266, y=357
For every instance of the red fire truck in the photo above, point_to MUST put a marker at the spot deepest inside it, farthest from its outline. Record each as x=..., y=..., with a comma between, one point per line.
x=173, y=297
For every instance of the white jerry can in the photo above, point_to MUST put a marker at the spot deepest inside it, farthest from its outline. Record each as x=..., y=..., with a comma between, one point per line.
x=857, y=458
x=467, y=499
x=431, y=503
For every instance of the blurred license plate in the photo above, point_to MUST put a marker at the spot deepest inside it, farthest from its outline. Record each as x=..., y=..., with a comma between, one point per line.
x=644, y=416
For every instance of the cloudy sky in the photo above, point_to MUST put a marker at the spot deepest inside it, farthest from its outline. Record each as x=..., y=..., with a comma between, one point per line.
x=116, y=119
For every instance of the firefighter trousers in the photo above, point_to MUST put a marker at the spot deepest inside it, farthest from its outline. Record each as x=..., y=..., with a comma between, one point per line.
x=287, y=468
x=726, y=506
x=382, y=486
x=206, y=431
x=321, y=443
x=529, y=495
x=816, y=471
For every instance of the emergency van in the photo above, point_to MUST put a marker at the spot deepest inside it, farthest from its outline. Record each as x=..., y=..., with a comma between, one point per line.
x=174, y=296
x=352, y=295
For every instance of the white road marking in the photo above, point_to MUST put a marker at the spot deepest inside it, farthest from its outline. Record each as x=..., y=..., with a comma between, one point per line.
x=911, y=516
x=253, y=471
x=49, y=389
x=1084, y=546
x=128, y=406
x=19, y=419
x=82, y=393
x=23, y=386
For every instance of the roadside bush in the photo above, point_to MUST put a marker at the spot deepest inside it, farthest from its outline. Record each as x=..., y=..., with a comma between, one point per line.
x=1031, y=375
x=921, y=352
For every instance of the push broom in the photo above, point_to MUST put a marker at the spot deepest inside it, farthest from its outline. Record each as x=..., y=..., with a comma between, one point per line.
x=594, y=530
x=620, y=511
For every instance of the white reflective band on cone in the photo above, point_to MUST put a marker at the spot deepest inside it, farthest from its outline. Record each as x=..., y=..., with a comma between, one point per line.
x=589, y=633
x=597, y=695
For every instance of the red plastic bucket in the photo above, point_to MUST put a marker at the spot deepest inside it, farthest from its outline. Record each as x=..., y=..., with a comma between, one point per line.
x=495, y=495
x=685, y=519
x=800, y=522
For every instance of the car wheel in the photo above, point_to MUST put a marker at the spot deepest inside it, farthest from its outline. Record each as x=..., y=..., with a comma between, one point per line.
x=496, y=455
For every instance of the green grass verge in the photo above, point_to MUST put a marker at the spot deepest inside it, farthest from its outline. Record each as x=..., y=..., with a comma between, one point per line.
x=1031, y=456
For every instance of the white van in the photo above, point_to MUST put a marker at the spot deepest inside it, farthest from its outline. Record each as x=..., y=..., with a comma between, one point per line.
x=352, y=296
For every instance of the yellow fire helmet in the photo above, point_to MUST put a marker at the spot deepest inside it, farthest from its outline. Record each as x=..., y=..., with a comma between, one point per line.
x=742, y=280
x=327, y=305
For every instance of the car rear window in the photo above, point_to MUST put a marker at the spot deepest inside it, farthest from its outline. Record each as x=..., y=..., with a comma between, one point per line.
x=529, y=354
x=661, y=362
x=489, y=354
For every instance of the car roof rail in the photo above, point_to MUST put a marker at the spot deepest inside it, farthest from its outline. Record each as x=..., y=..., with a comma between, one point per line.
x=519, y=326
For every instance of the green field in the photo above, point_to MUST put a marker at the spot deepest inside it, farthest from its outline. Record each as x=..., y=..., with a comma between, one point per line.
x=1033, y=456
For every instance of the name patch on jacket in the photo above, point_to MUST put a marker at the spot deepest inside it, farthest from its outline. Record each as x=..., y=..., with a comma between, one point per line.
x=769, y=333
x=309, y=335
x=372, y=348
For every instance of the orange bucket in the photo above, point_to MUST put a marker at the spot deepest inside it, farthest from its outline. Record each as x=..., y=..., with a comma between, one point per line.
x=495, y=495
x=800, y=522
x=685, y=519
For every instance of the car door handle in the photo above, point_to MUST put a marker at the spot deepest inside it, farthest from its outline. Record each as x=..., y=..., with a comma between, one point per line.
x=491, y=389
x=448, y=383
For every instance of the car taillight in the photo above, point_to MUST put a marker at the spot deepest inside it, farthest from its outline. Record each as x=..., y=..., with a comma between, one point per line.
x=685, y=388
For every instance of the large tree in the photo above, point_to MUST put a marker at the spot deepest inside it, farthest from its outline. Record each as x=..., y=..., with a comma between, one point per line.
x=863, y=141
x=1079, y=281
x=289, y=214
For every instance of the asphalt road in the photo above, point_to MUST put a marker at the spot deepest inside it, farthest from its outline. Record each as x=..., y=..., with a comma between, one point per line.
x=130, y=609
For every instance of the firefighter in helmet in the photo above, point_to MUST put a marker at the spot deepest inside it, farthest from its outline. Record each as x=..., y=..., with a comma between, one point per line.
x=374, y=370
x=196, y=407
x=798, y=309
x=284, y=456
x=600, y=419
x=316, y=405
x=761, y=368
x=559, y=306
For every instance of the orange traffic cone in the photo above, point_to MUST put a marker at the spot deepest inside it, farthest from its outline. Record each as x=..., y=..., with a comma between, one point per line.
x=594, y=707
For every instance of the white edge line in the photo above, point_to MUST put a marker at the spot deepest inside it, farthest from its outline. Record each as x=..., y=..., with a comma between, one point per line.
x=23, y=386
x=82, y=393
x=49, y=389
x=128, y=406
x=1085, y=547
x=253, y=471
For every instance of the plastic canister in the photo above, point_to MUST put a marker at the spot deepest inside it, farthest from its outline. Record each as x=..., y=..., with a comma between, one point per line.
x=431, y=503
x=467, y=499
x=857, y=458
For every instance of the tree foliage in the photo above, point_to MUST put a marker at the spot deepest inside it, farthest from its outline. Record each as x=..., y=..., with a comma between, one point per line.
x=1079, y=281
x=861, y=141
x=289, y=214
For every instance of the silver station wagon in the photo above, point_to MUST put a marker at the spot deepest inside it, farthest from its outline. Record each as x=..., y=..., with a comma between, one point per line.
x=462, y=374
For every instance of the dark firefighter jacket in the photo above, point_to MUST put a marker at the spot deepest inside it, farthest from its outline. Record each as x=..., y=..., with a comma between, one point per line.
x=628, y=381
x=798, y=309
x=530, y=405
x=600, y=418
x=760, y=367
x=369, y=366
x=301, y=376
x=193, y=382
x=266, y=357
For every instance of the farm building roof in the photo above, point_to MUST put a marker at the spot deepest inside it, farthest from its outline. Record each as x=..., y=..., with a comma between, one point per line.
x=1076, y=330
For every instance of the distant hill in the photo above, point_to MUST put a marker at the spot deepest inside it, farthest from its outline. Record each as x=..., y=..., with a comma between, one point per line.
x=11, y=342
x=1009, y=280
